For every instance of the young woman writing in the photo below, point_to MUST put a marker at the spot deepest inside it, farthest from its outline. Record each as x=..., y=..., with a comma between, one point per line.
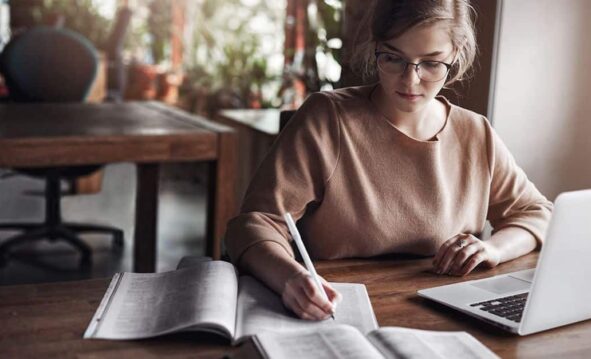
x=390, y=167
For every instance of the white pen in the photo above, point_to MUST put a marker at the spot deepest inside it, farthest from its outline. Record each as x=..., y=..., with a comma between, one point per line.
x=295, y=234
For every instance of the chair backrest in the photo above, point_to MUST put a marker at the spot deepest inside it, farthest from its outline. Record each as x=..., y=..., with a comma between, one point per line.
x=116, y=74
x=46, y=64
x=284, y=117
x=116, y=39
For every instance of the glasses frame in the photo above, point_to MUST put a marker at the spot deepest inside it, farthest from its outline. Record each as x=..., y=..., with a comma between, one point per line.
x=416, y=65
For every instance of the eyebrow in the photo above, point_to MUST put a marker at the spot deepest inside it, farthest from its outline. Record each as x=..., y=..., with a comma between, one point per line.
x=434, y=53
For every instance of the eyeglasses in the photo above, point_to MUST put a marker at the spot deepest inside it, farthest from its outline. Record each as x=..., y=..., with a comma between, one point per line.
x=430, y=71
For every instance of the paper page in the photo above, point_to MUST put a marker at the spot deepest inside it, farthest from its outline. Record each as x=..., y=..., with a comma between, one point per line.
x=191, y=261
x=414, y=344
x=261, y=310
x=325, y=343
x=149, y=304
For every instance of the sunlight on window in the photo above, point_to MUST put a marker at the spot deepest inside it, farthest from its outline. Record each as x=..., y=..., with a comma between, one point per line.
x=107, y=8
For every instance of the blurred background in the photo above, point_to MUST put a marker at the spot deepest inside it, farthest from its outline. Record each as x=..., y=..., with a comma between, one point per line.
x=205, y=54
x=245, y=62
x=208, y=57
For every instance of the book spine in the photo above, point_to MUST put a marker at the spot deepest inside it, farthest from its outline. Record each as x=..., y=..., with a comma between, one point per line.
x=93, y=327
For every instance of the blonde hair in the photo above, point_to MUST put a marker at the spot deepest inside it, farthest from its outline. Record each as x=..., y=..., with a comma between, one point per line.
x=391, y=18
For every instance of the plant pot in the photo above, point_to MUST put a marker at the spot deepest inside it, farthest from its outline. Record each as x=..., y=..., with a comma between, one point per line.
x=168, y=87
x=142, y=82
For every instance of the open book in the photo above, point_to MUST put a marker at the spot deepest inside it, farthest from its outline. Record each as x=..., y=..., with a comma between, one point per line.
x=343, y=341
x=210, y=296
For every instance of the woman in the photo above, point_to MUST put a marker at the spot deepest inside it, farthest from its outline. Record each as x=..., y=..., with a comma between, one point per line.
x=389, y=167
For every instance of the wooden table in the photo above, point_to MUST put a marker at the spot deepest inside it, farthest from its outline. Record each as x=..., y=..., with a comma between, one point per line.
x=265, y=121
x=257, y=130
x=48, y=320
x=392, y=286
x=38, y=135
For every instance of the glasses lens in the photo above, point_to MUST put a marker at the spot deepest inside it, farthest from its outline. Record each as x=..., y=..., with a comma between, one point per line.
x=427, y=70
x=390, y=63
x=432, y=71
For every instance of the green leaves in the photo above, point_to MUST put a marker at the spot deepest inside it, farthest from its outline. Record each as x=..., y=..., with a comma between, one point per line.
x=81, y=16
x=228, y=52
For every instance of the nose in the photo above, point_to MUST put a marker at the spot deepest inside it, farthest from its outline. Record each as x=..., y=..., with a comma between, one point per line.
x=410, y=74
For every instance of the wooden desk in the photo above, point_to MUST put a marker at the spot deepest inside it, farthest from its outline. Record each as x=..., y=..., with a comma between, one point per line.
x=48, y=320
x=392, y=286
x=38, y=135
x=263, y=121
x=257, y=130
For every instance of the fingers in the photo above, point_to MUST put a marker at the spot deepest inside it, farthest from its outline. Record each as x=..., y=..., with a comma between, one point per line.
x=448, y=251
x=460, y=255
x=314, y=294
x=471, y=263
x=304, y=298
x=441, y=253
x=333, y=296
x=306, y=311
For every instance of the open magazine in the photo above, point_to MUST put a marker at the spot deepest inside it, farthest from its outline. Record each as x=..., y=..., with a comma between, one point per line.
x=210, y=296
x=346, y=342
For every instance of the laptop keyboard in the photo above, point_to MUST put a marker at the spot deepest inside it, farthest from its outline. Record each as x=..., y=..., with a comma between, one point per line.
x=510, y=307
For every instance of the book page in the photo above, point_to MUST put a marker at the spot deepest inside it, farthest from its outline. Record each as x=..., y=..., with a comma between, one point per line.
x=336, y=341
x=149, y=304
x=261, y=310
x=413, y=343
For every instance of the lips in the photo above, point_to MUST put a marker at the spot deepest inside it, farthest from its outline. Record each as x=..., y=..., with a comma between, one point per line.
x=408, y=96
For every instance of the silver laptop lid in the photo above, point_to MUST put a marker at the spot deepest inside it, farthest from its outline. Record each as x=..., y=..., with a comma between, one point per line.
x=561, y=291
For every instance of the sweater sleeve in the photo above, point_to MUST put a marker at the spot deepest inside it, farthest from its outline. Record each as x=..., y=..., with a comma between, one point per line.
x=514, y=200
x=291, y=177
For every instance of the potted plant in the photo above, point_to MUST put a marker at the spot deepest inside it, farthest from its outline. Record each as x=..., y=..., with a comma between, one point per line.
x=81, y=16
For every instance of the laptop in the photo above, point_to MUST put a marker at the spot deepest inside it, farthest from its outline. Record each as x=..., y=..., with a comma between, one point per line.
x=556, y=293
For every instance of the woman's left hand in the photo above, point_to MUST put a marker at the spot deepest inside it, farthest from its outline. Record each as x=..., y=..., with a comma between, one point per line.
x=462, y=253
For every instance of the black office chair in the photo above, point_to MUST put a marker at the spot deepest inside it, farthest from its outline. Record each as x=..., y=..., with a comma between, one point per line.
x=284, y=117
x=51, y=65
x=116, y=72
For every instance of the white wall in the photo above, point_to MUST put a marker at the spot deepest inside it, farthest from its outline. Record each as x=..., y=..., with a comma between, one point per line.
x=541, y=107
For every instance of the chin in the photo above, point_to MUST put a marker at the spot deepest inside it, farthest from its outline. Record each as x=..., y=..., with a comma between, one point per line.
x=405, y=106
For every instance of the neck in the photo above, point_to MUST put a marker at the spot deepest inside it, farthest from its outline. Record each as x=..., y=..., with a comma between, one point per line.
x=420, y=124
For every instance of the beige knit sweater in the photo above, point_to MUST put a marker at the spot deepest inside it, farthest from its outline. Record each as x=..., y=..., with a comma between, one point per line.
x=360, y=187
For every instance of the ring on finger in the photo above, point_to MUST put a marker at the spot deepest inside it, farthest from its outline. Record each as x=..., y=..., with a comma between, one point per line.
x=462, y=243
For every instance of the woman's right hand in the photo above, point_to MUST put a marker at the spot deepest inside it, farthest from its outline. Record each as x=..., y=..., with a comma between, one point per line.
x=303, y=297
